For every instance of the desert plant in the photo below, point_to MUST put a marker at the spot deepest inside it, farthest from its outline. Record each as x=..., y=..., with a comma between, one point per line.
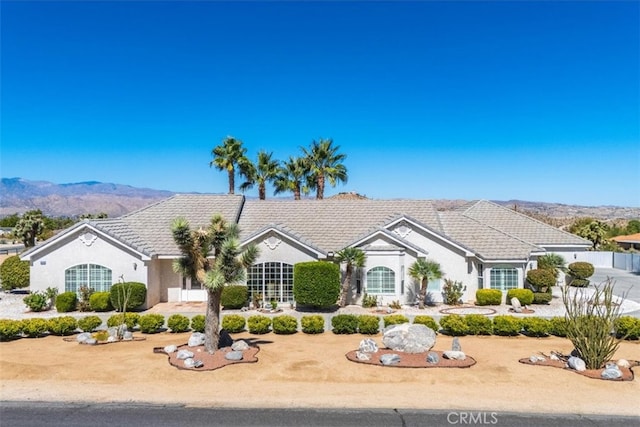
x=316, y=283
x=151, y=323
x=233, y=323
x=14, y=273
x=541, y=279
x=36, y=301
x=369, y=301
x=35, y=327
x=506, y=325
x=452, y=292
x=368, y=324
x=394, y=319
x=129, y=319
x=198, y=323
x=488, y=297
x=178, y=323
x=128, y=295
x=84, y=303
x=525, y=296
x=428, y=321
x=66, y=302
x=344, y=324
x=395, y=305
x=536, y=326
x=627, y=327
x=51, y=294
x=553, y=262
x=353, y=258
x=284, y=325
x=89, y=323
x=477, y=324
x=100, y=301
x=541, y=298
x=424, y=270
x=259, y=324
x=454, y=324
x=312, y=324
x=234, y=297
x=63, y=325
x=10, y=329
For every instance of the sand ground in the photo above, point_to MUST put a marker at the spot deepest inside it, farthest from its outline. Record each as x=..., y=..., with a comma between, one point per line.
x=312, y=371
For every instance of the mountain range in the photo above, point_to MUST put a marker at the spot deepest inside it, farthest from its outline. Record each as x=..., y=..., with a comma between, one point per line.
x=20, y=195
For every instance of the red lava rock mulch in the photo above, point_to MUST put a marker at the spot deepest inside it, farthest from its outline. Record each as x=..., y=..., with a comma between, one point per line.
x=627, y=373
x=210, y=361
x=412, y=360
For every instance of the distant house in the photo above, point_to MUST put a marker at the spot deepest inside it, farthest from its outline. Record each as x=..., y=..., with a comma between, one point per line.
x=481, y=244
x=6, y=231
x=629, y=242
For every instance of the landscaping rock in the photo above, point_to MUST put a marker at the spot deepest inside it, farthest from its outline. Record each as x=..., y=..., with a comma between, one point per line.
x=433, y=358
x=623, y=363
x=189, y=362
x=554, y=357
x=225, y=339
x=390, y=359
x=111, y=338
x=184, y=354
x=113, y=331
x=515, y=305
x=611, y=372
x=535, y=358
x=240, y=345
x=360, y=355
x=454, y=355
x=83, y=337
x=91, y=341
x=409, y=338
x=170, y=348
x=455, y=344
x=368, y=345
x=233, y=355
x=196, y=339
x=577, y=364
x=198, y=363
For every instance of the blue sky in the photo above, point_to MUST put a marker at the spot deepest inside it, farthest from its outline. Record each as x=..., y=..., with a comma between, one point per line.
x=535, y=101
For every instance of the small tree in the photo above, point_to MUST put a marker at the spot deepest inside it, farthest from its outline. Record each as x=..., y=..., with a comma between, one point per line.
x=29, y=227
x=14, y=273
x=424, y=271
x=352, y=257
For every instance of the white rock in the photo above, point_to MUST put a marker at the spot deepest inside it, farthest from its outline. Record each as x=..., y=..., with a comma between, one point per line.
x=196, y=339
x=623, y=363
x=577, y=364
x=360, y=355
x=454, y=355
x=170, y=348
x=240, y=345
x=184, y=354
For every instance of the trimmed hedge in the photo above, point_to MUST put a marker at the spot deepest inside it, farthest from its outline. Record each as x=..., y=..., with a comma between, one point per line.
x=540, y=298
x=536, y=327
x=312, y=324
x=541, y=278
x=558, y=326
x=454, y=324
x=394, y=319
x=197, y=323
x=368, y=324
x=10, y=329
x=478, y=324
x=137, y=295
x=100, y=301
x=130, y=319
x=284, y=324
x=581, y=270
x=66, y=302
x=35, y=327
x=259, y=324
x=428, y=321
x=628, y=327
x=233, y=323
x=525, y=296
x=89, y=323
x=178, y=323
x=488, y=297
x=344, y=324
x=234, y=297
x=150, y=323
x=14, y=273
x=506, y=325
x=316, y=283
x=63, y=325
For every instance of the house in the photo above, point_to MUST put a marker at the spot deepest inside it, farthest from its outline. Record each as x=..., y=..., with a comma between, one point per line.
x=481, y=244
x=629, y=242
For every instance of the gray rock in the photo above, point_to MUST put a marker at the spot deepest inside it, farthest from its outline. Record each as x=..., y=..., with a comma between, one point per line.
x=128, y=336
x=454, y=355
x=113, y=331
x=611, y=372
x=91, y=341
x=363, y=356
x=240, y=345
x=83, y=337
x=409, y=338
x=554, y=357
x=390, y=359
x=196, y=339
x=515, y=304
x=112, y=338
x=455, y=344
x=535, y=358
x=189, y=362
x=623, y=363
x=198, y=363
x=233, y=355
x=433, y=358
x=170, y=348
x=368, y=345
x=577, y=364
x=184, y=354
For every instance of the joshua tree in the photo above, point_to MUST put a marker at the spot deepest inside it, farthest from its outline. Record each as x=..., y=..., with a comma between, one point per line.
x=228, y=267
x=266, y=170
x=424, y=271
x=292, y=176
x=29, y=226
x=352, y=257
x=324, y=164
x=227, y=156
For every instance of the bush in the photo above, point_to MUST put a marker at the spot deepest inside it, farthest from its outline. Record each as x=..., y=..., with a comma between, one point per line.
x=312, y=324
x=477, y=324
x=428, y=321
x=36, y=301
x=536, y=326
x=89, y=323
x=452, y=291
x=285, y=325
x=344, y=324
x=316, y=283
x=368, y=324
x=10, y=329
x=454, y=324
x=627, y=327
x=259, y=324
x=136, y=292
x=83, y=303
x=541, y=278
x=66, y=302
x=14, y=273
x=35, y=327
x=542, y=298
x=581, y=270
x=197, y=323
x=130, y=319
x=506, y=325
x=488, y=297
x=394, y=319
x=150, y=323
x=578, y=283
x=369, y=301
x=234, y=297
x=64, y=325
x=178, y=323
x=525, y=296
x=233, y=323
x=100, y=301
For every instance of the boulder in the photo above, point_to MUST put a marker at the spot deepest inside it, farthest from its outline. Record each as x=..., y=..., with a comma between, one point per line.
x=409, y=338
x=189, y=362
x=184, y=354
x=577, y=364
x=170, y=349
x=623, y=363
x=91, y=341
x=390, y=359
x=455, y=344
x=454, y=355
x=515, y=305
x=240, y=345
x=433, y=358
x=360, y=355
x=368, y=345
x=611, y=372
x=233, y=355
x=196, y=339
x=128, y=336
x=83, y=337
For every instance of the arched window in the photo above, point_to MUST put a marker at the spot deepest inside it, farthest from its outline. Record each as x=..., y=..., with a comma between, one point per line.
x=274, y=280
x=381, y=280
x=93, y=276
x=504, y=277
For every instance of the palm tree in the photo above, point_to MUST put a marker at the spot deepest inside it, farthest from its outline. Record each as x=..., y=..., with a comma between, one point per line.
x=292, y=176
x=324, y=164
x=227, y=156
x=228, y=266
x=353, y=257
x=424, y=271
x=266, y=170
x=553, y=262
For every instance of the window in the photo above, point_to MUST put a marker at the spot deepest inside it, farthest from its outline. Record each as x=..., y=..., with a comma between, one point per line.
x=274, y=280
x=381, y=280
x=480, y=276
x=504, y=278
x=93, y=276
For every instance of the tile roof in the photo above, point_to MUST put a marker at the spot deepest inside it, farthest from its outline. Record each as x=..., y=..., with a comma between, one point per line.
x=630, y=238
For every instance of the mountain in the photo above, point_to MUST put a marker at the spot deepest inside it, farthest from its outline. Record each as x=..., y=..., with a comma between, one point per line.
x=20, y=195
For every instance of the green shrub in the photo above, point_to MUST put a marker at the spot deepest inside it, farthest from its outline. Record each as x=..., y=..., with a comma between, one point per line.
x=452, y=291
x=368, y=324
x=316, y=283
x=135, y=291
x=369, y=301
x=525, y=296
x=178, y=323
x=344, y=324
x=285, y=325
x=14, y=273
x=197, y=322
x=100, y=301
x=506, y=325
x=130, y=319
x=541, y=279
x=150, y=323
x=454, y=324
x=428, y=321
x=35, y=327
x=233, y=323
x=63, y=325
x=578, y=283
x=627, y=327
x=66, y=302
x=394, y=319
x=488, y=297
x=101, y=335
x=84, y=303
x=581, y=270
x=36, y=301
x=89, y=323
x=312, y=324
x=10, y=329
x=558, y=326
x=234, y=297
x=542, y=298
x=259, y=324
x=536, y=326
x=477, y=324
